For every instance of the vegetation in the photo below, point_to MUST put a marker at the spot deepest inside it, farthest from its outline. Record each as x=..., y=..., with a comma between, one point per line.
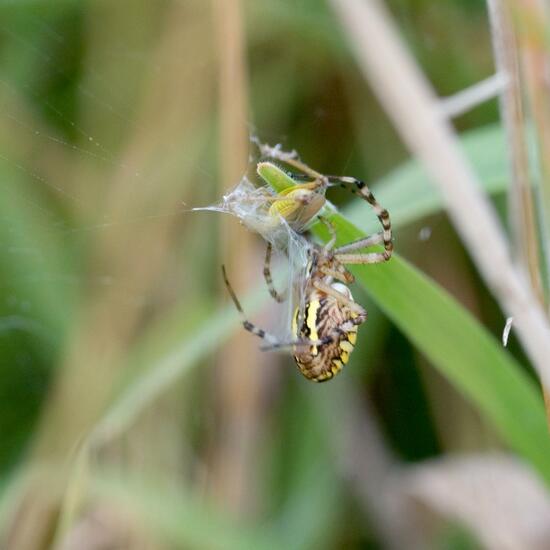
x=135, y=412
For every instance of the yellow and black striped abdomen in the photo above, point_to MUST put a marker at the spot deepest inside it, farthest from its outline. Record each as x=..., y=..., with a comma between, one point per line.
x=323, y=320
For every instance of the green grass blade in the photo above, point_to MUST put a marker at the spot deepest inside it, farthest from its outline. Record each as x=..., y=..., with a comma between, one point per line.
x=473, y=360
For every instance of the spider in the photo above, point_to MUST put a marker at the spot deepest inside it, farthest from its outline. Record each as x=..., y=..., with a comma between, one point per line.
x=324, y=331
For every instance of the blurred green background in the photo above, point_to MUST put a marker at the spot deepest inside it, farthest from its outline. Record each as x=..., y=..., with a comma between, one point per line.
x=123, y=368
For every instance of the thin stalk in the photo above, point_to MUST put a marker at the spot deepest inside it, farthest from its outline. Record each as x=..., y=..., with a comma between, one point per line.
x=529, y=19
x=522, y=212
x=238, y=389
x=480, y=92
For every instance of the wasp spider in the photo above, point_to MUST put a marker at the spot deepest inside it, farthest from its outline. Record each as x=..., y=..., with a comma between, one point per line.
x=324, y=330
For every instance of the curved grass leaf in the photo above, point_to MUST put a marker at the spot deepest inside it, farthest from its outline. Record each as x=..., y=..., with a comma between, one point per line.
x=473, y=360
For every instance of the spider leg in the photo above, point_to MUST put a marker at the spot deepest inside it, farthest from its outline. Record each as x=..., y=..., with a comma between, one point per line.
x=332, y=230
x=377, y=238
x=278, y=297
x=292, y=344
x=369, y=258
x=343, y=276
x=333, y=336
x=261, y=333
x=343, y=300
x=305, y=181
x=382, y=214
x=344, y=329
x=293, y=160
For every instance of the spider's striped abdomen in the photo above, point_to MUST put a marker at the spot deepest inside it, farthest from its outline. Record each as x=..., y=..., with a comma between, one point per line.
x=332, y=324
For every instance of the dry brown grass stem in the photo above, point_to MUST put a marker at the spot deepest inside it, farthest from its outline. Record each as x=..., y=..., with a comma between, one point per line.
x=410, y=102
x=529, y=20
x=133, y=255
x=522, y=212
x=238, y=388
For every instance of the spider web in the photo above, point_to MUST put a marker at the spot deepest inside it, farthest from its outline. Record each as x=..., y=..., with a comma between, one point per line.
x=38, y=121
x=250, y=204
x=54, y=151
